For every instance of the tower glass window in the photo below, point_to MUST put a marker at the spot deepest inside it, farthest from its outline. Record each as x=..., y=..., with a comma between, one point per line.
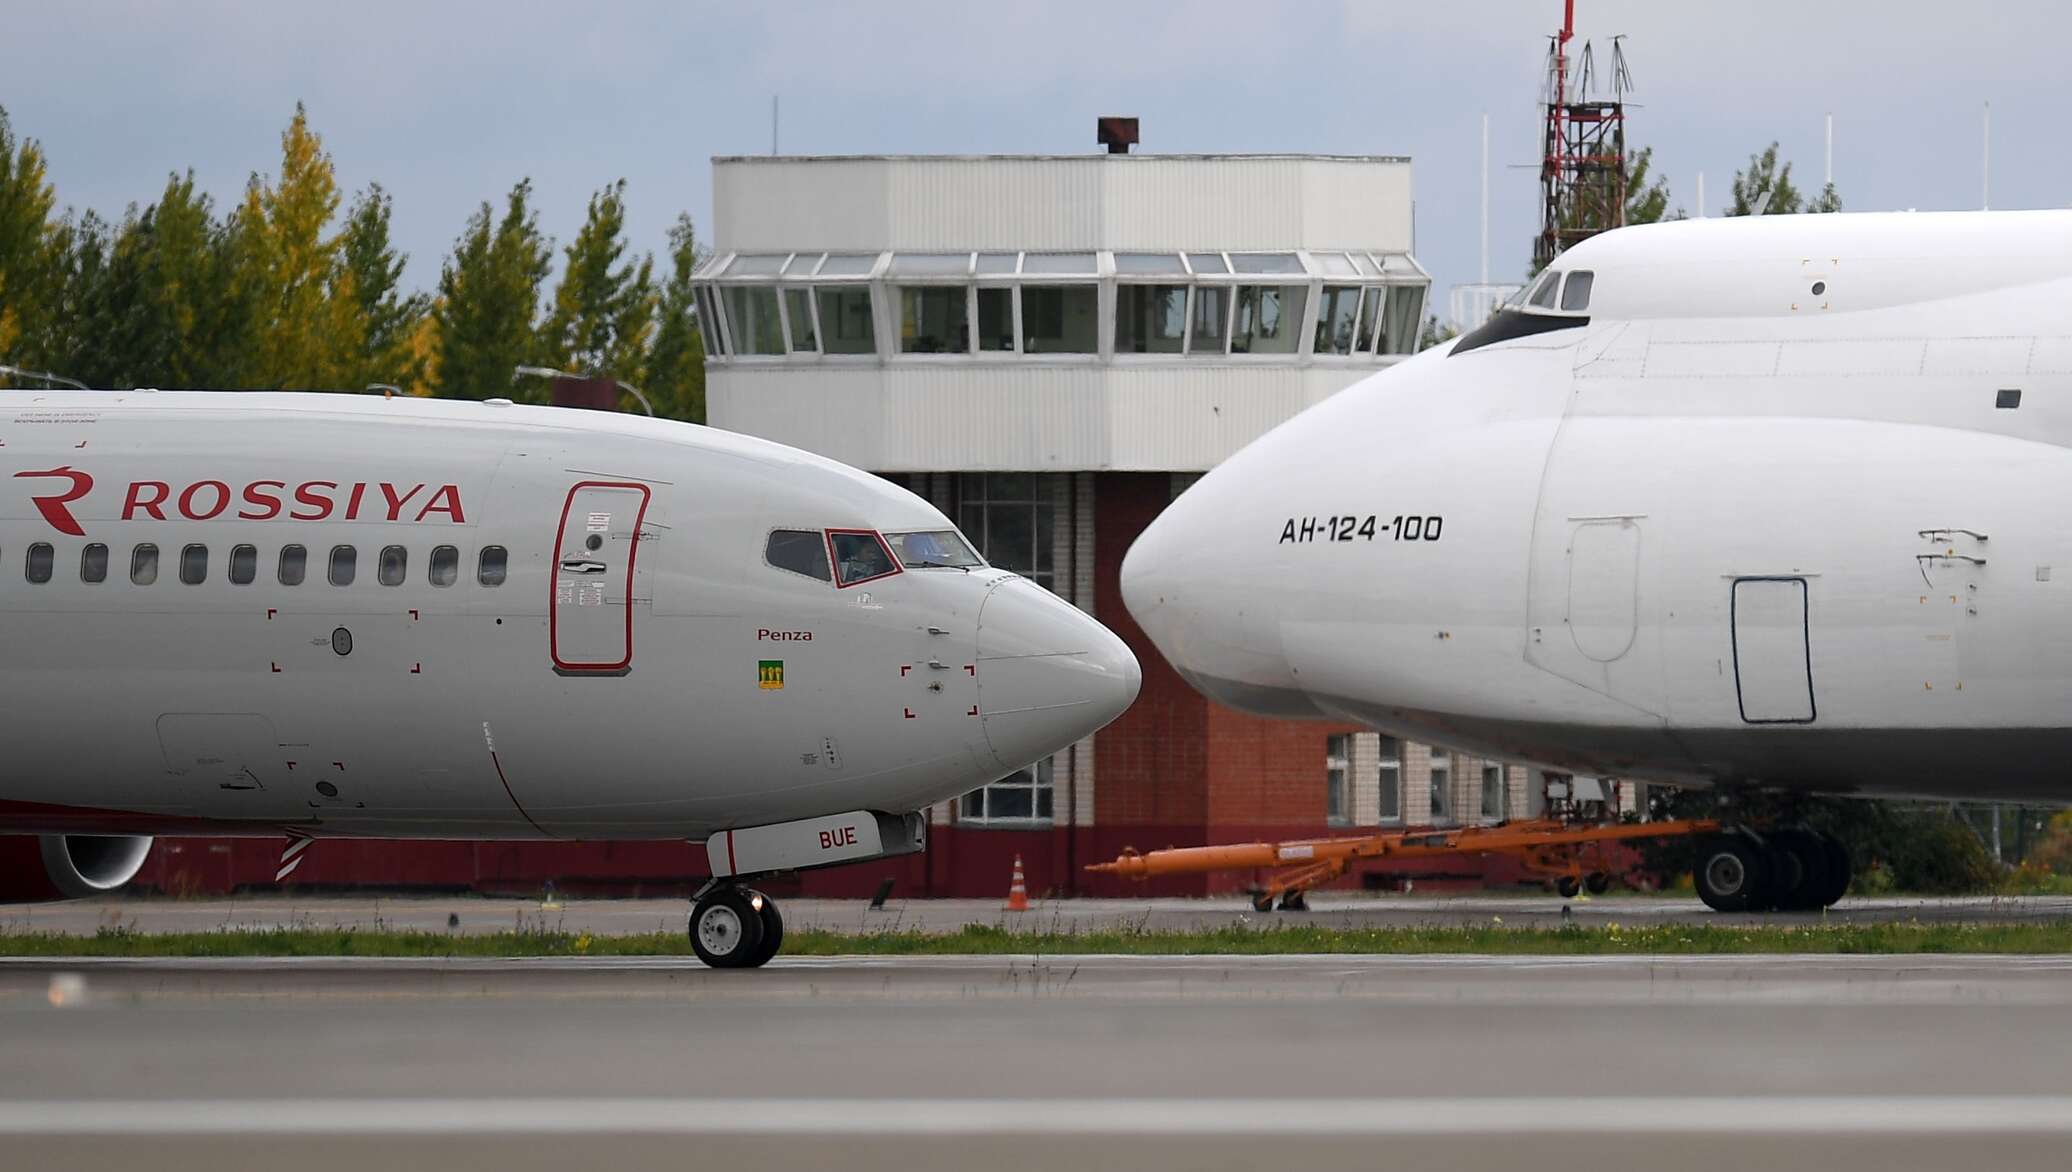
x=1009, y=516
x=932, y=320
x=1060, y=319
x=1337, y=313
x=1267, y=318
x=1150, y=319
x=1211, y=319
x=752, y=317
x=845, y=319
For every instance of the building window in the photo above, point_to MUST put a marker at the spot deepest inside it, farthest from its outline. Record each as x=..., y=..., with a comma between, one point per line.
x=996, y=319
x=1337, y=313
x=1267, y=318
x=1391, y=769
x=1021, y=796
x=932, y=320
x=1493, y=805
x=708, y=323
x=1009, y=516
x=798, y=306
x=845, y=319
x=1337, y=768
x=1211, y=320
x=1442, y=787
x=1150, y=319
x=1370, y=317
x=752, y=316
x=1399, y=320
x=1060, y=319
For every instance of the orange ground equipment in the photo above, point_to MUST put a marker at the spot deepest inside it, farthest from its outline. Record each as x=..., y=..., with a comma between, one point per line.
x=1567, y=854
x=1017, y=891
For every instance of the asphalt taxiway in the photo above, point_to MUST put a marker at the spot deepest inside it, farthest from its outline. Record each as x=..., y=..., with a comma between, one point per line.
x=1024, y=1062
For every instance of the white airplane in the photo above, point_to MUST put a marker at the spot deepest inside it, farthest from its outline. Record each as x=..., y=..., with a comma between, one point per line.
x=1771, y=502
x=324, y=615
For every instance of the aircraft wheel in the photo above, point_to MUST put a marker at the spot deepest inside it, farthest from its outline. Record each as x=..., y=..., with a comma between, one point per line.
x=1801, y=856
x=1262, y=902
x=1731, y=874
x=773, y=929
x=1597, y=882
x=1569, y=886
x=727, y=929
x=1839, y=870
x=1294, y=901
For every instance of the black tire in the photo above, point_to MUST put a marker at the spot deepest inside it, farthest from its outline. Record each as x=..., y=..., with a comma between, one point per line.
x=1799, y=856
x=1840, y=870
x=1262, y=902
x=1732, y=874
x=1569, y=886
x=726, y=931
x=773, y=929
x=1294, y=901
x=1597, y=883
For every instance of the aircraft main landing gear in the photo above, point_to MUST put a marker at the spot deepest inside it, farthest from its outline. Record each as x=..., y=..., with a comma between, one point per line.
x=734, y=927
x=1787, y=870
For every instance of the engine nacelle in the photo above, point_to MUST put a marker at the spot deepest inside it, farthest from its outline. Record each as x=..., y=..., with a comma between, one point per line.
x=67, y=866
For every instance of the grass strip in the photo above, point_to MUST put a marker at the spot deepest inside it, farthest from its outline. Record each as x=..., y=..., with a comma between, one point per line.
x=1904, y=938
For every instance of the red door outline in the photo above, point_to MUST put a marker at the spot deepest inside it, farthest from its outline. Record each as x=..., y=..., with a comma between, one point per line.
x=625, y=664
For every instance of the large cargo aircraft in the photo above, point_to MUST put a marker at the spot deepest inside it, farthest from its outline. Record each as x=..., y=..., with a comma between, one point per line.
x=310, y=615
x=1772, y=502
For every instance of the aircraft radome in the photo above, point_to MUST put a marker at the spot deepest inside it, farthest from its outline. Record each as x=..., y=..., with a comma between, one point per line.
x=312, y=615
x=1759, y=502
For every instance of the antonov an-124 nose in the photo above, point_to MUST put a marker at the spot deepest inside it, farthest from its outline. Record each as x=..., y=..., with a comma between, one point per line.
x=1048, y=674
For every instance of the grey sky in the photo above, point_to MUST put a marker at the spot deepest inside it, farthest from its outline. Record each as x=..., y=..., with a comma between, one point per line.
x=447, y=104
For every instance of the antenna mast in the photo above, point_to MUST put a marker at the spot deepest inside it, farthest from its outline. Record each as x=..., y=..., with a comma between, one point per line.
x=1583, y=160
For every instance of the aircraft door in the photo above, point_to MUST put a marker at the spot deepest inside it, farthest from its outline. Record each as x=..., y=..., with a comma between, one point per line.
x=1773, y=668
x=596, y=547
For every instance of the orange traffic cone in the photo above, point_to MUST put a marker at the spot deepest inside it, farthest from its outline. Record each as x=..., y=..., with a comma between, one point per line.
x=1018, y=891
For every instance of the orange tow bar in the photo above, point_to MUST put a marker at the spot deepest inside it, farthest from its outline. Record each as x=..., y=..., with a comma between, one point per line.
x=1569, y=854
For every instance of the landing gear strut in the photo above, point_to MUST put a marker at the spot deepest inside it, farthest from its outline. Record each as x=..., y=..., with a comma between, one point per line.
x=734, y=927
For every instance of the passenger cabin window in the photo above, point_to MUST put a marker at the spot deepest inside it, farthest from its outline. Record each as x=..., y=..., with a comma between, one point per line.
x=445, y=569
x=41, y=558
x=491, y=567
x=860, y=555
x=802, y=551
x=93, y=563
x=244, y=564
x=194, y=564
x=394, y=566
x=345, y=561
x=294, y=565
x=144, y=565
x=1575, y=295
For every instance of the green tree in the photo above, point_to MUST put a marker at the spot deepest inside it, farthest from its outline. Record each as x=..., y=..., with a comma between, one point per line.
x=604, y=310
x=489, y=296
x=676, y=362
x=310, y=329
x=28, y=243
x=1766, y=174
x=1646, y=202
x=389, y=318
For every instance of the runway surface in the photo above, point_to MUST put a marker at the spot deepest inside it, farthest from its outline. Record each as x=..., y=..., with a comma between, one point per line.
x=620, y=916
x=1023, y=1062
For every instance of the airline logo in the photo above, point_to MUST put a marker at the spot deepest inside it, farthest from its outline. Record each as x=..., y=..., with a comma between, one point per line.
x=259, y=500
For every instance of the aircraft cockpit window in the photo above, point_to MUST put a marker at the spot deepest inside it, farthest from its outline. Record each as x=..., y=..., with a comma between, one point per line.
x=860, y=555
x=40, y=560
x=345, y=564
x=144, y=565
x=802, y=551
x=294, y=565
x=445, y=569
x=93, y=563
x=244, y=564
x=394, y=565
x=194, y=564
x=1575, y=295
x=932, y=549
x=493, y=565
x=1542, y=295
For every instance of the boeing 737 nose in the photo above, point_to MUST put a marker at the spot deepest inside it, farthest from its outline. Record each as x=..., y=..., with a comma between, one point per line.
x=1048, y=674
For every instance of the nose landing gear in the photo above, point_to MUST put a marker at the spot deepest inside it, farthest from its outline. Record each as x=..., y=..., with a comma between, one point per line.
x=735, y=927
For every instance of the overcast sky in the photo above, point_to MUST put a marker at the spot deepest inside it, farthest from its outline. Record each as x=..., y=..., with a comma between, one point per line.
x=447, y=104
